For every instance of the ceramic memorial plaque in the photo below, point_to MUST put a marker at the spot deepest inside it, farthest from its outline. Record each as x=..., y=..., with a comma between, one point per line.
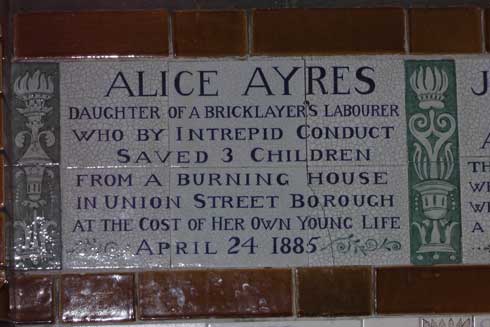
x=274, y=162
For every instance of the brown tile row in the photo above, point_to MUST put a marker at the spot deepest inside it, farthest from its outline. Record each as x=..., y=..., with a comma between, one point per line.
x=175, y=294
x=281, y=32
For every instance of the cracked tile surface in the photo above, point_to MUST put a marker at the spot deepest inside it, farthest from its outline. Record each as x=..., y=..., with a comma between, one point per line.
x=245, y=163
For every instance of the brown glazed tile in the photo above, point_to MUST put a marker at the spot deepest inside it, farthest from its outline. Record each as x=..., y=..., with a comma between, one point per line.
x=102, y=297
x=487, y=29
x=31, y=299
x=210, y=33
x=2, y=180
x=328, y=31
x=3, y=240
x=215, y=293
x=252, y=292
x=167, y=294
x=4, y=297
x=2, y=62
x=65, y=34
x=449, y=289
x=334, y=291
x=2, y=113
x=445, y=30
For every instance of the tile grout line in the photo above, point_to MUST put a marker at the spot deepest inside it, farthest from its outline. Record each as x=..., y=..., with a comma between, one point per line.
x=249, y=22
x=294, y=293
x=171, y=53
x=136, y=298
x=7, y=44
x=58, y=294
x=169, y=174
x=482, y=30
x=57, y=299
x=373, y=292
x=407, y=30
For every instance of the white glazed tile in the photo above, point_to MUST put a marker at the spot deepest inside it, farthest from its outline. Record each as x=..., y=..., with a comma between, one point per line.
x=293, y=323
x=271, y=218
x=473, y=109
x=283, y=113
x=107, y=245
x=482, y=321
x=475, y=209
x=384, y=103
x=449, y=321
x=87, y=84
x=392, y=322
x=368, y=223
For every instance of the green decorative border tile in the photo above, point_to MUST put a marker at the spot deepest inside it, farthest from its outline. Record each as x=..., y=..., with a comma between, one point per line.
x=35, y=155
x=433, y=153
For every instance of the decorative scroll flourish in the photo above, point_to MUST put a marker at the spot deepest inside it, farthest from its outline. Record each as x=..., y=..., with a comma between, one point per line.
x=90, y=249
x=485, y=248
x=351, y=244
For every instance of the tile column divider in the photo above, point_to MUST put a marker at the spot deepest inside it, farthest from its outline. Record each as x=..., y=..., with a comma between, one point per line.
x=483, y=30
x=171, y=52
x=407, y=30
x=250, y=40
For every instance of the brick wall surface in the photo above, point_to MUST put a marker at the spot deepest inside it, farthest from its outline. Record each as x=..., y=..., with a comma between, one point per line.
x=304, y=292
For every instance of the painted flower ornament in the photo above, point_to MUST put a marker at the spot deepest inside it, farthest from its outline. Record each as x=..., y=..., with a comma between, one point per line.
x=429, y=84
